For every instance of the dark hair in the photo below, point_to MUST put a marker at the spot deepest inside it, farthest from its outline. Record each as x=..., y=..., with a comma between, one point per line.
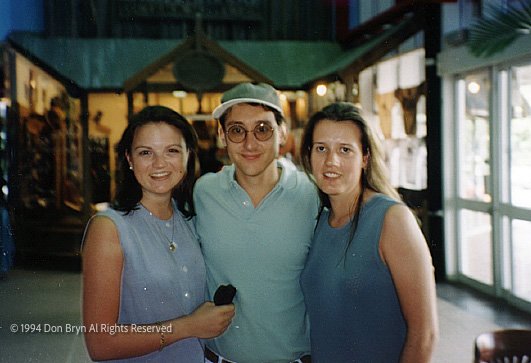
x=278, y=116
x=128, y=190
x=373, y=177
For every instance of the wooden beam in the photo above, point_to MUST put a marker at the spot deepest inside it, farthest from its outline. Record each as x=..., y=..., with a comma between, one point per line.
x=227, y=57
x=146, y=72
x=413, y=26
x=393, y=15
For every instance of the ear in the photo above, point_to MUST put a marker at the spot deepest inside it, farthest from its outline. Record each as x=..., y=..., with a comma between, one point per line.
x=128, y=157
x=366, y=159
x=221, y=135
x=282, y=133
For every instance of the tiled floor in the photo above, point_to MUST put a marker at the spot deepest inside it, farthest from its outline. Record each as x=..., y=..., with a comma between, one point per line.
x=463, y=315
x=52, y=299
x=483, y=306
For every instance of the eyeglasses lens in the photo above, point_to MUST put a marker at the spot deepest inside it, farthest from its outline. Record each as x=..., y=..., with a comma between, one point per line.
x=262, y=132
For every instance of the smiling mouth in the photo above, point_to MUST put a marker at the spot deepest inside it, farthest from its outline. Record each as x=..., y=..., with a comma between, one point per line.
x=160, y=175
x=331, y=175
x=251, y=157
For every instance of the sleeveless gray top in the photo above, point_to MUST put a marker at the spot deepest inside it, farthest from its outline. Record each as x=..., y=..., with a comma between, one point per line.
x=158, y=284
x=352, y=303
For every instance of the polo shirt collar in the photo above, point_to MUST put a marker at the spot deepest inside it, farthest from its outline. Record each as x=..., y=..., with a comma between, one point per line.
x=286, y=181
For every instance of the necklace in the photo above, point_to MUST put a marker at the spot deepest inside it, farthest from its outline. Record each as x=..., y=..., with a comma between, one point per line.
x=171, y=243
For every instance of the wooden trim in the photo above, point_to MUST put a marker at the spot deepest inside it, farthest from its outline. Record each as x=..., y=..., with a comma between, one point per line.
x=134, y=81
x=227, y=57
x=193, y=42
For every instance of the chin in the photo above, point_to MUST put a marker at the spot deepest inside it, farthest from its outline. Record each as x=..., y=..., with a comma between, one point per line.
x=329, y=190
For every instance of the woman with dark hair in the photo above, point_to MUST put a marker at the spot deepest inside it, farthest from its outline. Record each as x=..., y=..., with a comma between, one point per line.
x=143, y=272
x=368, y=282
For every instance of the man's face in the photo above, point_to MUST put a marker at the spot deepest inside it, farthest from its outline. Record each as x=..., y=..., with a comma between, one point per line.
x=252, y=157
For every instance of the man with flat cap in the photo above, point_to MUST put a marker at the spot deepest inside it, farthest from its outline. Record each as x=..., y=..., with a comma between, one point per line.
x=255, y=220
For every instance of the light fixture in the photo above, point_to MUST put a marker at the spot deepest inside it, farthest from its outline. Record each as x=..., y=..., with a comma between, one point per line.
x=473, y=87
x=179, y=94
x=321, y=90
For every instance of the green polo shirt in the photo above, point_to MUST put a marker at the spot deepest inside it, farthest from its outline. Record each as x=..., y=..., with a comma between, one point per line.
x=262, y=252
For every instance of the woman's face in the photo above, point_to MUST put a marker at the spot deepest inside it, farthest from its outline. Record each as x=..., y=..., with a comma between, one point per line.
x=159, y=157
x=337, y=159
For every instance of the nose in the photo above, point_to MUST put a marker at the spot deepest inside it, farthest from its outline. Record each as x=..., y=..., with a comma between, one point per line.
x=331, y=158
x=250, y=140
x=159, y=161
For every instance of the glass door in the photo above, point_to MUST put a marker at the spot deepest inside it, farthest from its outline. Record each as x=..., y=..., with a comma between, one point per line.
x=518, y=209
x=474, y=178
x=492, y=181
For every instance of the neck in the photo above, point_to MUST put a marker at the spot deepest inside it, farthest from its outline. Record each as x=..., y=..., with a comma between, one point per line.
x=160, y=209
x=342, y=209
x=258, y=186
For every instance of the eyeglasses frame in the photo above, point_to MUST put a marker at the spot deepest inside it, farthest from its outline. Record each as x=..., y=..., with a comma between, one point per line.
x=253, y=131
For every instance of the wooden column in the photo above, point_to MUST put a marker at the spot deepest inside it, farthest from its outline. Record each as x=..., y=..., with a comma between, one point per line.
x=87, y=184
x=432, y=46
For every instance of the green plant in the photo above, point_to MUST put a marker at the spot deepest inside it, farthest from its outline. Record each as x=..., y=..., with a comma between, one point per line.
x=499, y=28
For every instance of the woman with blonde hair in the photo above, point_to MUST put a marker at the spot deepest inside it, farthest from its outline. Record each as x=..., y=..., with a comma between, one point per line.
x=368, y=282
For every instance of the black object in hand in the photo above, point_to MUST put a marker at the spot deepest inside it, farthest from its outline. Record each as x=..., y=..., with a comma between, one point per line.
x=224, y=294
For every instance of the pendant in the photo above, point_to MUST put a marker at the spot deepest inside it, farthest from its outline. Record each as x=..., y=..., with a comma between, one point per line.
x=173, y=246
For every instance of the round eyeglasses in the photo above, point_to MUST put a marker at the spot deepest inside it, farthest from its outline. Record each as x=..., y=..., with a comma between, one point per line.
x=262, y=132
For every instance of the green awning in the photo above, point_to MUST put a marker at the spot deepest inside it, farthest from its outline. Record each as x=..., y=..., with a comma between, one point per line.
x=295, y=64
x=91, y=64
x=105, y=64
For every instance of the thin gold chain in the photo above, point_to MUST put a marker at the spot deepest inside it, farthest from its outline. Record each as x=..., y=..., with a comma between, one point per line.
x=171, y=243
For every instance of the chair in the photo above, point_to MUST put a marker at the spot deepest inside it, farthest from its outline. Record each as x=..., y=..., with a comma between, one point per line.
x=503, y=346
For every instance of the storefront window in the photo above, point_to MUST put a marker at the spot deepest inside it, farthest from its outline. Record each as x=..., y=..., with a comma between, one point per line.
x=520, y=154
x=50, y=145
x=476, y=245
x=521, y=231
x=474, y=138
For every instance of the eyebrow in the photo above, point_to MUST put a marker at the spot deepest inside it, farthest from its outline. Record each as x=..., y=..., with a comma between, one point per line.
x=149, y=147
x=235, y=122
x=340, y=144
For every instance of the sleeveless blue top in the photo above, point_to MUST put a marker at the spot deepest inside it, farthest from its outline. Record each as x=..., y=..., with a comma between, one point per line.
x=352, y=303
x=158, y=284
